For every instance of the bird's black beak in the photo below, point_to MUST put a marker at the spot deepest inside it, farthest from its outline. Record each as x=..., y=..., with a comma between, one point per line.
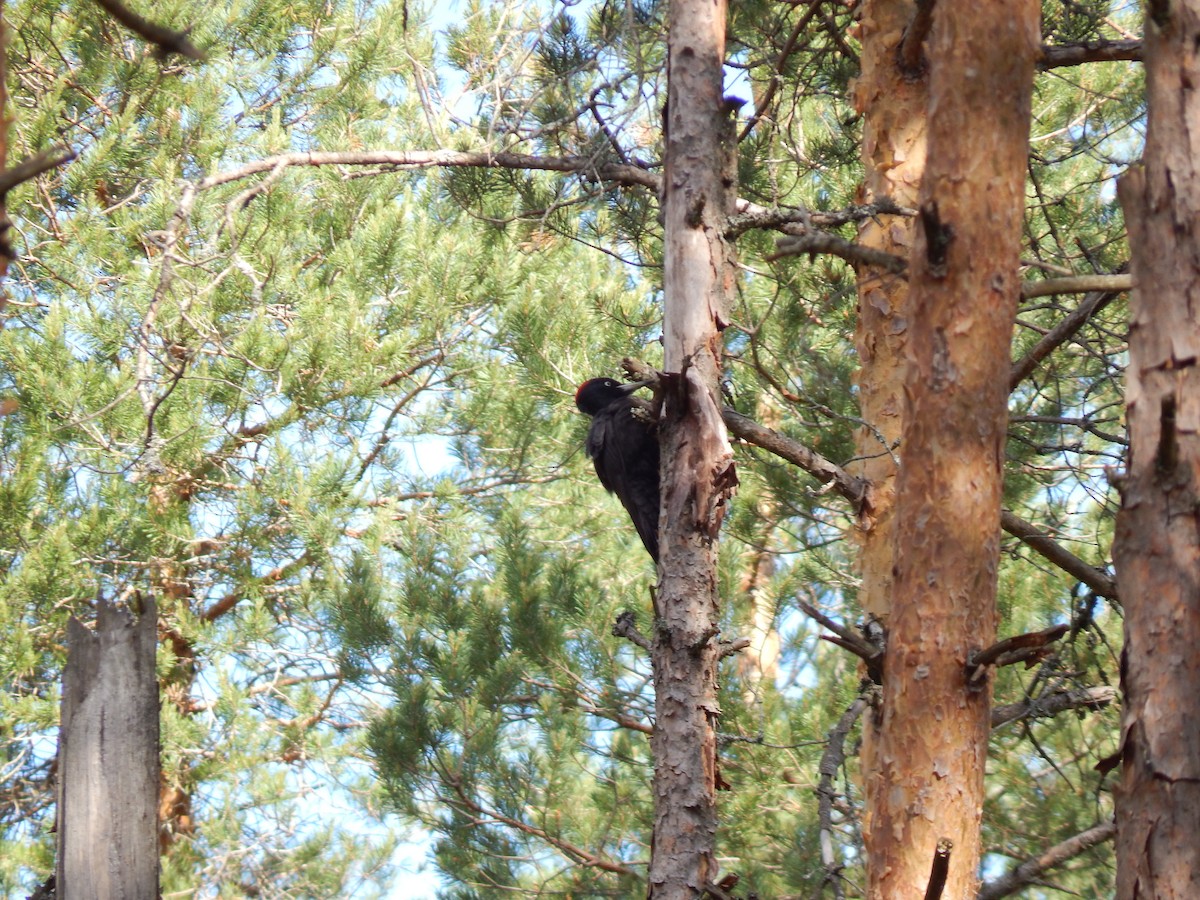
x=633, y=386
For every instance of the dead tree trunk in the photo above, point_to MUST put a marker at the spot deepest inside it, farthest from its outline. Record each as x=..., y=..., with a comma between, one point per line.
x=108, y=759
x=1157, y=542
x=697, y=461
x=926, y=786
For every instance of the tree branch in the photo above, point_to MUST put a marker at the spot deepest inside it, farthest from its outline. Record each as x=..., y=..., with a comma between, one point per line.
x=421, y=159
x=831, y=761
x=34, y=166
x=625, y=627
x=911, y=52
x=728, y=648
x=857, y=491
x=852, y=488
x=1089, y=51
x=230, y=600
x=167, y=40
x=1053, y=703
x=1097, y=579
x=753, y=216
x=1077, y=284
x=1018, y=648
x=578, y=855
x=940, y=869
x=796, y=224
x=1031, y=870
x=832, y=244
x=1064, y=330
x=871, y=655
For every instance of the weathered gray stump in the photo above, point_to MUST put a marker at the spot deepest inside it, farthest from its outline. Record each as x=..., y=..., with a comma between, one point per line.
x=108, y=760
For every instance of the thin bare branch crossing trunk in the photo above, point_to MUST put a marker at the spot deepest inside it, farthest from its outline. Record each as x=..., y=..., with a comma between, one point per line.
x=697, y=460
x=1157, y=542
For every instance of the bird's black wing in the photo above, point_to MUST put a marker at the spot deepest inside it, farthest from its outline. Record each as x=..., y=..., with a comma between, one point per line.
x=624, y=450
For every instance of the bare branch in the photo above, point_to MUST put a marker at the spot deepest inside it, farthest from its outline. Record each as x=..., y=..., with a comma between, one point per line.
x=1097, y=579
x=1077, y=284
x=625, y=627
x=728, y=648
x=752, y=216
x=423, y=159
x=831, y=761
x=822, y=242
x=1089, y=51
x=801, y=239
x=871, y=655
x=852, y=488
x=34, y=166
x=1063, y=331
x=911, y=52
x=1053, y=703
x=940, y=869
x=856, y=490
x=168, y=41
x=576, y=854
x=1017, y=648
x=1032, y=869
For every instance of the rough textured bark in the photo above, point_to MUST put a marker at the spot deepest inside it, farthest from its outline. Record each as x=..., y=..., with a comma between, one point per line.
x=698, y=193
x=927, y=777
x=893, y=107
x=1157, y=543
x=894, y=134
x=108, y=759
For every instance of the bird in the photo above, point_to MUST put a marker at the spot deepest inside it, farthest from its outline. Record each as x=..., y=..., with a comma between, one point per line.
x=624, y=450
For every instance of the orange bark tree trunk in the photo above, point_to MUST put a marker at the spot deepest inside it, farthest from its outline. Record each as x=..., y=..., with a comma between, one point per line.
x=893, y=105
x=697, y=460
x=932, y=731
x=1157, y=543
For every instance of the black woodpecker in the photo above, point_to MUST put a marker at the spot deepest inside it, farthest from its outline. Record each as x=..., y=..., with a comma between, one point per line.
x=624, y=450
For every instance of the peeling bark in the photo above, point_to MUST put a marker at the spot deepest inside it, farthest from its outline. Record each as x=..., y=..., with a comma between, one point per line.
x=697, y=460
x=1157, y=542
x=894, y=135
x=893, y=107
x=926, y=775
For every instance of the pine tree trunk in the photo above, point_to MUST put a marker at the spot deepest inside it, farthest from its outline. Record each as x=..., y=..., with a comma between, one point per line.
x=893, y=106
x=697, y=463
x=927, y=780
x=1157, y=543
x=108, y=759
x=894, y=133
